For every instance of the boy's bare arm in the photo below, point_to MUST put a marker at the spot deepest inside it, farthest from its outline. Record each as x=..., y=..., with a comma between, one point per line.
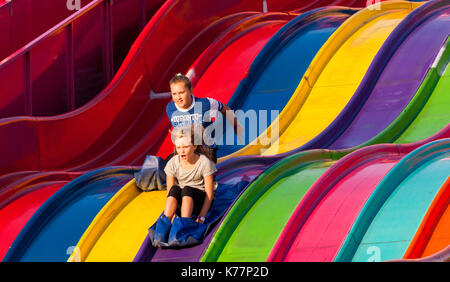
x=209, y=189
x=229, y=114
x=170, y=181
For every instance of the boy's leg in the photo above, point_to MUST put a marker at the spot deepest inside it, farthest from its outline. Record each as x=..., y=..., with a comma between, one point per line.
x=187, y=206
x=192, y=202
x=173, y=198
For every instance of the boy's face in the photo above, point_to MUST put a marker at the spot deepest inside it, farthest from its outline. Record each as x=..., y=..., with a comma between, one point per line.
x=184, y=148
x=181, y=95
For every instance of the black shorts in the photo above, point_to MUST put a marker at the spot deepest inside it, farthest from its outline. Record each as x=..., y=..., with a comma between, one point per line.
x=196, y=194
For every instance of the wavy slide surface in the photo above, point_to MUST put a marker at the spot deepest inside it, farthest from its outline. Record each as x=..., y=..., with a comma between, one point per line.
x=311, y=107
x=433, y=234
x=391, y=216
x=194, y=254
x=46, y=236
x=278, y=69
x=267, y=25
x=390, y=87
x=90, y=146
x=320, y=223
x=296, y=242
x=123, y=106
x=252, y=212
x=298, y=252
x=67, y=65
x=128, y=221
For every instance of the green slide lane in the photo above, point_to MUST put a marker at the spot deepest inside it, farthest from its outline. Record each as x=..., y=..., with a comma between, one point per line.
x=259, y=215
x=434, y=115
x=261, y=212
x=253, y=239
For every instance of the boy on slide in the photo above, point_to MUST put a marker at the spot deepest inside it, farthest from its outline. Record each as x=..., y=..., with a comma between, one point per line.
x=187, y=110
x=189, y=178
x=190, y=187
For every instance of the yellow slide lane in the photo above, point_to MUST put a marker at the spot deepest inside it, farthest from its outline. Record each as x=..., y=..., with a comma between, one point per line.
x=331, y=79
x=119, y=229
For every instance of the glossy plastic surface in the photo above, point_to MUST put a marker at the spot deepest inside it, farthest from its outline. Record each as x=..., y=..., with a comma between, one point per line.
x=311, y=108
x=14, y=216
x=200, y=41
x=21, y=21
x=225, y=245
x=296, y=242
x=278, y=69
x=395, y=209
x=320, y=223
x=433, y=234
x=114, y=127
x=96, y=246
x=60, y=221
x=66, y=66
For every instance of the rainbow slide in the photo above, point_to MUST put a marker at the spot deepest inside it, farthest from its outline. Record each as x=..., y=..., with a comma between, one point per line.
x=291, y=191
x=433, y=88
x=246, y=223
x=278, y=35
x=38, y=179
x=92, y=250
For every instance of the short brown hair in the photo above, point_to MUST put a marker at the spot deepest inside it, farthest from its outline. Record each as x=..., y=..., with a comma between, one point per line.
x=181, y=78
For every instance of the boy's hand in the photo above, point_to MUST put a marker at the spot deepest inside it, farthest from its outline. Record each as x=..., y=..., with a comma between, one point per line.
x=239, y=132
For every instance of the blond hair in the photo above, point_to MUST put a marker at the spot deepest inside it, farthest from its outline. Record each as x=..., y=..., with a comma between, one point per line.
x=194, y=134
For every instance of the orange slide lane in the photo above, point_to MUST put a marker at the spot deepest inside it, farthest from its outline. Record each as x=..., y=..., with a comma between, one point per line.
x=433, y=234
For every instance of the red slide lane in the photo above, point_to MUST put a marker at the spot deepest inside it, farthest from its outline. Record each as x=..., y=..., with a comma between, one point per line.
x=241, y=48
x=69, y=140
x=62, y=68
x=322, y=220
x=12, y=221
x=21, y=21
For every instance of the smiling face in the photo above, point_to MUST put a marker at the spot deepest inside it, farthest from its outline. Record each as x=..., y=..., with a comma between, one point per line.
x=181, y=95
x=185, y=149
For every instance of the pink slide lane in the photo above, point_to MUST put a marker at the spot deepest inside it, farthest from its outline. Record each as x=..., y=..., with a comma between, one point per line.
x=320, y=224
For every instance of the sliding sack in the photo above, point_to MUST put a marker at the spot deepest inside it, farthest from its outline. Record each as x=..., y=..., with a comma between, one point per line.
x=151, y=176
x=185, y=232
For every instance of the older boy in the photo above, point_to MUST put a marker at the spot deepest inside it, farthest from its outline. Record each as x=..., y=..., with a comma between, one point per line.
x=186, y=110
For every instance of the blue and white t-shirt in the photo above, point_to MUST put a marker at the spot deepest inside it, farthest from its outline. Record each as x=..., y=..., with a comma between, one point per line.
x=201, y=111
